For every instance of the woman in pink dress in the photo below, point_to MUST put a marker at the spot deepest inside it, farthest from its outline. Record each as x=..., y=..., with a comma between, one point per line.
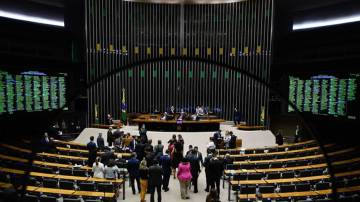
x=184, y=176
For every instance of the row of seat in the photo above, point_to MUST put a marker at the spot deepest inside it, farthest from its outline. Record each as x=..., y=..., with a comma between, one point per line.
x=280, y=148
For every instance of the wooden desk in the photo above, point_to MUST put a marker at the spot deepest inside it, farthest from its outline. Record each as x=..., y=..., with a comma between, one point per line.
x=246, y=127
x=105, y=126
x=279, y=181
x=154, y=122
x=57, y=165
x=263, y=148
x=70, y=192
x=280, y=160
x=62, y=191
x=297, y=158
x=86, y=151
x=300, y=194
x=277, y=153
x=63, y=177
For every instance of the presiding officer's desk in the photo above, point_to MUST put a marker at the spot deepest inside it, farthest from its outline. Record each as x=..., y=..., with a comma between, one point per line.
x=155, y=123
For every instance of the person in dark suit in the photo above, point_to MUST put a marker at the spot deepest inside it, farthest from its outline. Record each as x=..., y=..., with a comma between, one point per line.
x=207, y=171
x=106, y=156
x=110, y=138
x=133, y=169
x=232, y=143
x=132, y=144
x=140, y=150
x=237, y=116
x=155, y=180
x=194, y=168
x=165, y=163
x=143, y=135
x=216, y=168
x=216, y=138
x=279, y=138
x=100, y=142
x=91, y=146
x=158, y=150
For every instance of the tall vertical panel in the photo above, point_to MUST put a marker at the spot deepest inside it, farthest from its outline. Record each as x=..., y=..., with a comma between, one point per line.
x=119, y=33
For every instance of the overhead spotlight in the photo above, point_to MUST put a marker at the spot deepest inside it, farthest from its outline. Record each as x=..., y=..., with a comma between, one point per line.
x=324, y=23
x=29, y=18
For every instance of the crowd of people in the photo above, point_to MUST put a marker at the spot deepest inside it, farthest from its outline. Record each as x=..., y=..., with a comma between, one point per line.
x=150, y=167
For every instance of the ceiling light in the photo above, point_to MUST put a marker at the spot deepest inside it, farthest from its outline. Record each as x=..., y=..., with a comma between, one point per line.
x=29, y=18
x=323, y=23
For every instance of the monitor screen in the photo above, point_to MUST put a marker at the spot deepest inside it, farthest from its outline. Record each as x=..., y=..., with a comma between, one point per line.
x=32, y=91
x=325, y=95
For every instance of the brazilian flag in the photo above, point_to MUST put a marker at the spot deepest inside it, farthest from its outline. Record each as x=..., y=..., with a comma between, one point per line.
x=123, y=107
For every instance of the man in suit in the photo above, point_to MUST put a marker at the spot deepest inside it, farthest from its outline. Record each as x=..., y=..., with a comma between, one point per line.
x=158, y=149
x=207, y=171
x=100, y=142
x=133, y=169
x=132, y=144
x=110, y=137
x=216, y=168
x=91, y=146
x=155, y=179
x=216, y=138
x=165, y=163
x=237, y=116
x=232, y=143
x=143, y=135
x=140, y=150
x=194, y=168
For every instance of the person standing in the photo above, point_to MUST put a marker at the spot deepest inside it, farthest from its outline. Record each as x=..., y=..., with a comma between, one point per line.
x=100, y=142
x=98, y=169
x=184, y=176
x=158, y=150
x=237, y=116
x=91, y=146
x=133, y=169
x=155, y=179
x=165, y=163
x=110, y=137
x=177, y=155
x=195, y=168
x=216, y=168
x=207, y=171
x=298, y=134
x=143, y=135
x=144, y=176
x=279, y=138
x=140, y=150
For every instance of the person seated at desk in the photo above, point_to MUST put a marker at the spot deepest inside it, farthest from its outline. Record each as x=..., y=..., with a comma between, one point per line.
x=182, y=115
x=109, y=119
x=172, y=110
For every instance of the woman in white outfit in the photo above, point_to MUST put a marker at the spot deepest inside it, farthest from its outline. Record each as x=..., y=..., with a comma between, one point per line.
x=98, y=168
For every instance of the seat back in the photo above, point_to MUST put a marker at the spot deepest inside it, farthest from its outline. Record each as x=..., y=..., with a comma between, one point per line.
x=64, y=184
x=248, y=189
x=87, y=186
x=50, y=183
x=105, y=187
x=266, y=189
x=302, y=187
x=287, y=188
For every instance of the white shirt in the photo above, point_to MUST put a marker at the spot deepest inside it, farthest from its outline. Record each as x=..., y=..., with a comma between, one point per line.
x=227, y=140
x=211, y=145
x=98, y=170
